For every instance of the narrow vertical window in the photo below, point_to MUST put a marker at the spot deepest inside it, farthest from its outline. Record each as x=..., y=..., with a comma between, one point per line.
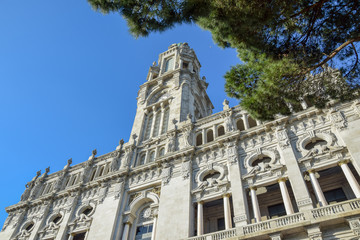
x=157, y=124
x=148, y=127
x=142, y=159
x=169, y=64
x=152, y=156
x=165, y=121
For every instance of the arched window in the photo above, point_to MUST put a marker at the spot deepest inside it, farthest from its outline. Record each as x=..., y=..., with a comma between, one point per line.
x=152, y=156
x=101, y=171
x=221, y=130
x=162, y=152
x=199, y=139
x=169, y=64
x=142, y=159
x=252, y=122
x=315, y=142
x=210, y=136
x=157, y=124
x=144, y=224
x=240, y=125
x=87, y=211
x=93, y=175
x=165, y=121
x=262, y=159
x=148, y=127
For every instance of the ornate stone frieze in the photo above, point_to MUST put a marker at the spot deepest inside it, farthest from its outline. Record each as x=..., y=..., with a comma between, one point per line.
x=240, y=218
x=282, y=137
x=166, y=173
x=337, y=119
x=186, y=167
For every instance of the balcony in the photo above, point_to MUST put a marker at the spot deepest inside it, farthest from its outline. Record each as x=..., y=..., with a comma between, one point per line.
x=312, y=216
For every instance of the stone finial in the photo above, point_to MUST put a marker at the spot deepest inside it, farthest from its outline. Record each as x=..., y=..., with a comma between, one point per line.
x=226, y=104
x=47, y=170
x=121, y=142
x=154, y=63
x=204, y=78
x=94, y=152
x=38, y=173
x=69, y=161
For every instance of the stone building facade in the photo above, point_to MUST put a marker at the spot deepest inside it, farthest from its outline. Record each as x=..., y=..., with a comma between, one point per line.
x=187, y=173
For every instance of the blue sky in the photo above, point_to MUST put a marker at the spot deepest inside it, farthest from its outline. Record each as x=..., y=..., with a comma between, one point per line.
x=69, y=78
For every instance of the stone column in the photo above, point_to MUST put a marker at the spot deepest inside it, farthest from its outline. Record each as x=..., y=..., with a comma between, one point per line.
x=350, y=177
x=153, y=122
x=153, y=234
x=125, y=235
x=245, y=120
x=227, y=211
x=316, y=186
x=200, y=218
x=204, y=136
x=255, y=204
x=285, y=196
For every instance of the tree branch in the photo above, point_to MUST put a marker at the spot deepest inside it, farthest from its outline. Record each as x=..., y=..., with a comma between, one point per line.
x=333, y=54
x=357, y=59
x=309, y=8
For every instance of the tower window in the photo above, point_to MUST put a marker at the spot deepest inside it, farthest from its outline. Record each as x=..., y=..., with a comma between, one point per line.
x=148, y=127
x=221, y=131
x=199, y=139
x=165, y=121
x=157, y=124
x=142, y=159
x=162, y=152
x=240, y=125
x=252, y=122
x=210, y=136
x=169, y=64
x=152, y=156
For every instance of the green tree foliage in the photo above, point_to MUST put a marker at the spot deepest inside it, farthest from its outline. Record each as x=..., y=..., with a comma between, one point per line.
x=282, y=44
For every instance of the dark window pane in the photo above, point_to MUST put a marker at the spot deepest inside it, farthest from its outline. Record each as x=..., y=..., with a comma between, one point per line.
x=221, y=224
x=150, y=228
x=277, y=210
x=79, y=236
x=335, y=195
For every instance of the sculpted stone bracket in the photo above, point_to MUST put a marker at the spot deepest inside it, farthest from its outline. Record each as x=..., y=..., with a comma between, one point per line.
x=337, y=119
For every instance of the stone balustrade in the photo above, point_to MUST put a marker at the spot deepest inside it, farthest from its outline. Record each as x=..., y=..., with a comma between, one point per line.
x=312, y=216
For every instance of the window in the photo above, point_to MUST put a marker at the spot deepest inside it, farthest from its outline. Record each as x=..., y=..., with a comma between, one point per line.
x=169, y=64
x=142, y=159
x=214, y=175
x=240, y=125
x=73, y=181
x=157, y=124
x=101, y=171
x=162, y=152
x=221, y=131
x=148, y=127
x=199, y=139
x=220, y=224
x=165, y=121
x=259, y=160
x=210, y=136
x=335, y=195
x=152, y=156
x=93, y=175
x=29, y=226
x=277, y=210
x=314, y=143
x=252, y=122
x=144, y=232
x=87, y=211
x=79, y=236
x=57, y=219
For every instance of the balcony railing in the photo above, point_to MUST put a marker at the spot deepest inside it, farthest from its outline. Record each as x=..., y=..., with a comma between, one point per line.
x=338, y=210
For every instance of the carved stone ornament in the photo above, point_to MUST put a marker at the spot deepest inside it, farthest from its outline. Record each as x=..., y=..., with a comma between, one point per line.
x=354, y=224
x=259, y=153
x=337, y=118
x=80, y=223
x=186, y=168
x=307, y=138
x=232, y=152
x=171, y=145
x=188, y=135
x=282, y=137
x=166, y=173
x=228, y=122
x=127, y=158
x=240, y=218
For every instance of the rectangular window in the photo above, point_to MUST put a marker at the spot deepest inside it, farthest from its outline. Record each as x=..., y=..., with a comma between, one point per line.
x=277, y=210
x=220, y=224
x=144, y=232
x=169, y=64
x=335, y=195
x=79, y=236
